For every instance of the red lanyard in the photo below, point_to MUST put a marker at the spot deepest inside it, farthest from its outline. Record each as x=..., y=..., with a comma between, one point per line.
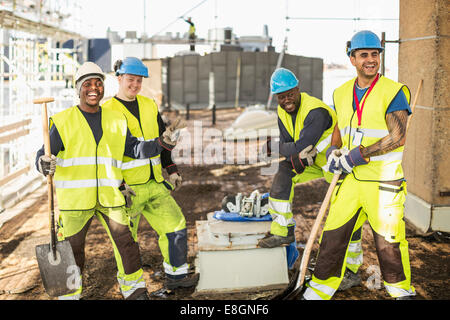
x=359, y=109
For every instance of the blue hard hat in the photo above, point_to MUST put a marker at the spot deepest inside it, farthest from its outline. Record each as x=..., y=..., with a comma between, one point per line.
x=364, y=40
x=282, y=80
x=132, y=65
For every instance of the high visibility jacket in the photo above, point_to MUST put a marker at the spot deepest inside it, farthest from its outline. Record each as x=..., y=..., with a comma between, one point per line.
x=191, y=29
x=308, y=103
x=386, y=167
x=87, y=172
x=138, y=171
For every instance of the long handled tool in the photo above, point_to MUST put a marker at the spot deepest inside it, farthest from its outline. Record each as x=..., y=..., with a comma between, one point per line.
x=292, y=291
x=56, y=261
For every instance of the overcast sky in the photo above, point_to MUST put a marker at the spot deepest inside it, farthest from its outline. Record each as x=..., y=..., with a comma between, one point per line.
x=316, y=38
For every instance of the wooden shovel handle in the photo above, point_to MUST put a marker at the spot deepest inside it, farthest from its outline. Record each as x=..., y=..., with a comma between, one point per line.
x=315, y=230
x=46, y=135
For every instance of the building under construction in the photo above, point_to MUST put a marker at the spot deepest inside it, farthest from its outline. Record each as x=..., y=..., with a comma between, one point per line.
x=216, y=93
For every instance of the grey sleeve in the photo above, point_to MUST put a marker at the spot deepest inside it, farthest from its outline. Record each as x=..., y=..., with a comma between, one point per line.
x=316, y=122
x=141, y=149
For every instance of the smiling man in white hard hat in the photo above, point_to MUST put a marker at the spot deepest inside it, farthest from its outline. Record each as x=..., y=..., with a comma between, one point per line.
x=88, y=144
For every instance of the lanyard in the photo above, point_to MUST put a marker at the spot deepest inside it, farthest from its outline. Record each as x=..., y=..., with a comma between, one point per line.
x=359, y=109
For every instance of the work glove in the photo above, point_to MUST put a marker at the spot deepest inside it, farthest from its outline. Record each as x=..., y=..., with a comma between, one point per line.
x=175, y=180
x=127, y=193
x=349, y=160
x=47, y=165
x=303, y=159
x=170, y=136
x=332, y=155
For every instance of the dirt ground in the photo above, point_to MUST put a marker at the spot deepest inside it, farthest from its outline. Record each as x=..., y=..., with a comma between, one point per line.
x=203, y=189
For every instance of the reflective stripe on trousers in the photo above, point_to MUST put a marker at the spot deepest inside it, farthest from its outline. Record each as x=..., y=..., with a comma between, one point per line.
x=354, y=256
x=278, y=210
x=130, y=283
x=399, y=292
x=325, y=291
x=173, y=271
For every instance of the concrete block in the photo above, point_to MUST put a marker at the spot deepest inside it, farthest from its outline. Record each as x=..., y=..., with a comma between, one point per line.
x=417, y=212
x=440, y=220
x=229, y=261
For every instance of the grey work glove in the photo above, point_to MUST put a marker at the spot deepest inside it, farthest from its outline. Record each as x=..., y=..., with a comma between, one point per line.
x=127, y=193
x=350, y=159
x=175, y=180
x=172, y=133
x=47, y=165
x=333, y=154
x=303, y=159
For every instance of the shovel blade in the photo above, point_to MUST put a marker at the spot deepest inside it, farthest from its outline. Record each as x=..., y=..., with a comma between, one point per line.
x=57, y=274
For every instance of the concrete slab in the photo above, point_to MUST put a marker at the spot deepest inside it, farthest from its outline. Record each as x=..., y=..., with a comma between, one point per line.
x=228, y=259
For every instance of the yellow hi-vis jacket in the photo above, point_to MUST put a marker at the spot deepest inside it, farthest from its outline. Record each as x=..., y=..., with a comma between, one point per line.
x=386, y=167
x=138, y=171
x=87, y=172
x=308, y=103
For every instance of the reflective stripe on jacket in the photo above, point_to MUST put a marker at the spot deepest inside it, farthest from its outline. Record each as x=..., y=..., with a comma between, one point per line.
x=138, y=171
x=308, y=103
x=385, y=167
x=87, y=172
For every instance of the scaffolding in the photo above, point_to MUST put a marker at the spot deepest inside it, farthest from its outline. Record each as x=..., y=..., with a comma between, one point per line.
x=32, y=64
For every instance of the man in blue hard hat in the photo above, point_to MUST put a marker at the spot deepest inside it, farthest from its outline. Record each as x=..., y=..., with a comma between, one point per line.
x=305, y=124
x=146, y=189
x=367, y=147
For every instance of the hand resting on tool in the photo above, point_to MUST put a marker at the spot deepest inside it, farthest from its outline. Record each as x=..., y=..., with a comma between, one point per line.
x=127, y=193
x=47, y=165
x=303, y=159
x=170, y=136
x=175, y=180
x=332, y=155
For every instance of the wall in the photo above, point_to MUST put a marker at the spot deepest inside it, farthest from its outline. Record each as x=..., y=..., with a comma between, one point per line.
x=424, y=54
x=189, y=76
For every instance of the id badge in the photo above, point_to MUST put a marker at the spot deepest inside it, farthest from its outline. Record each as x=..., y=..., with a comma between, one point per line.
x=357, y=138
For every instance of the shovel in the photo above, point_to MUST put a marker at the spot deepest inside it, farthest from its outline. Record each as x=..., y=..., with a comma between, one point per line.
x=56, y=261
x=295, y=286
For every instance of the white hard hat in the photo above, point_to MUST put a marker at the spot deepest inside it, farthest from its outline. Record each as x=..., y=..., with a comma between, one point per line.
x=88, y=70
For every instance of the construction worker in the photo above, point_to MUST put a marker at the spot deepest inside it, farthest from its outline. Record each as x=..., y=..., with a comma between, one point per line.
x=372, y=113
x=305, y=124
x=191, y=33
x=153, y=199
x=87, y=146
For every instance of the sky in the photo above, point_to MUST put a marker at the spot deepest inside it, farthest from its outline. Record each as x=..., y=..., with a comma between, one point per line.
x=314, y=38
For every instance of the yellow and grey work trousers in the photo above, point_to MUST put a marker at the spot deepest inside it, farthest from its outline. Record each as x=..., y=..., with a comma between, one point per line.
x=282, y=193
x=154, y=202
x=352, y=203
x=73, y=226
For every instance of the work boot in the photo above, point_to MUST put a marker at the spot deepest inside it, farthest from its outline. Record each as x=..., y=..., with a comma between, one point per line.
x=273, y=240
x=188, y=281
x=143, y=296
x=350, y=280
x=139, y=294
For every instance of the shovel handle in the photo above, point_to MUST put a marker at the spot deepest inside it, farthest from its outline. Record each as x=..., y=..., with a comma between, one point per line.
x=46, y=135
x=315, y=230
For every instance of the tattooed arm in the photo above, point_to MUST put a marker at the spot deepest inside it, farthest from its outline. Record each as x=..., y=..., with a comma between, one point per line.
x=396, y=122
